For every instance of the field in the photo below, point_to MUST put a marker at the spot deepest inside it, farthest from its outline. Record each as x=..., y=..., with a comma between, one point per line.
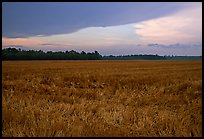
x=101, y=98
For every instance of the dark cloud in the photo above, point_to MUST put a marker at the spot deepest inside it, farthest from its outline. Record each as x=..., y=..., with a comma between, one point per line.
x=46, y=44
x=176, y=46
x=21, y=19
x=160, y=49
x=54, y=44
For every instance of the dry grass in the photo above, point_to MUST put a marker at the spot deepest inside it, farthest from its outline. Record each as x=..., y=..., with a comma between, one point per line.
x=102, y=98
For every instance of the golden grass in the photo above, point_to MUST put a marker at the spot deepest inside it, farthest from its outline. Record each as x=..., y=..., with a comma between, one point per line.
x=102, y=98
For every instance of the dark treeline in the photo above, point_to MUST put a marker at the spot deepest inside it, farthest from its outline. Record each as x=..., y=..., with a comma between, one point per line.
x=151, y=57
x=18, y=54
x=135, y=57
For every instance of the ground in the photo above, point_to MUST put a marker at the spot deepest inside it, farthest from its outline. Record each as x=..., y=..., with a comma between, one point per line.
x=101, y=98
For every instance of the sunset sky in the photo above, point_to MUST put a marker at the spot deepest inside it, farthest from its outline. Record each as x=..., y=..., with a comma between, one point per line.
x=111, y=28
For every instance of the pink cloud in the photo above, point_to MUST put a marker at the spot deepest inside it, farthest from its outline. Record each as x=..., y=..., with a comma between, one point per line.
x=21, y=41
x=184, y=26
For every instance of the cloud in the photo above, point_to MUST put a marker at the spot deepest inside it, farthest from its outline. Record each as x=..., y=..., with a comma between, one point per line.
x=46, y=44
x=176, y=46
x=183, y=26
x=21, y=41
x=29, y=19
x=55, y=44
x=93, y=37
x=36, y=43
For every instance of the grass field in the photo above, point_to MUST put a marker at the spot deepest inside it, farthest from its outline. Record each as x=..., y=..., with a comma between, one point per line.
x=102, y=98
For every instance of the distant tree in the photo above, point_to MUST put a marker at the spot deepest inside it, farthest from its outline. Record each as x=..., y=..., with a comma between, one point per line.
x=83, y=53
x=50, y=52
x=73, y=52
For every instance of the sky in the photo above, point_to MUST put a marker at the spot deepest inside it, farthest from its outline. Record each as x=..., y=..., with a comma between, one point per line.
x=111, y=28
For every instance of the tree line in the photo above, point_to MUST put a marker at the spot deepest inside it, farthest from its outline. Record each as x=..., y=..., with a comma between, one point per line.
x=18, y=54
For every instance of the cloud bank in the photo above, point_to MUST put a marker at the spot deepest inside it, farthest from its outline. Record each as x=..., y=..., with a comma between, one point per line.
x=21, y=19
x=183, y=26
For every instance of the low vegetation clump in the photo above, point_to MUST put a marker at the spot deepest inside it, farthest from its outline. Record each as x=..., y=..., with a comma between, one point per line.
x=101, y=98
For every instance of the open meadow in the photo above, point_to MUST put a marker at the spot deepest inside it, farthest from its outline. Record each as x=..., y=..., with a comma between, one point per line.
x=101, y=98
